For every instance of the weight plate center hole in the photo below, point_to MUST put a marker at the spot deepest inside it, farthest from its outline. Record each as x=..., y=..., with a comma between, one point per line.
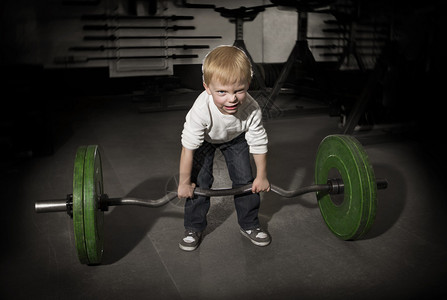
x=337, y=199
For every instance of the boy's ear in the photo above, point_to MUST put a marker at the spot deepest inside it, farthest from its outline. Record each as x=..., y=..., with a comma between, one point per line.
x=207, y=88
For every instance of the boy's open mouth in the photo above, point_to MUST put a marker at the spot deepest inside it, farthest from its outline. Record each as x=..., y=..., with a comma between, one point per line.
x=231, y=107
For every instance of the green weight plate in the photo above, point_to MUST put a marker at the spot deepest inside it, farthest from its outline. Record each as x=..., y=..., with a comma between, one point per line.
x=93, y=216
x=353, y=217
x=370, y=191
x=78, y=204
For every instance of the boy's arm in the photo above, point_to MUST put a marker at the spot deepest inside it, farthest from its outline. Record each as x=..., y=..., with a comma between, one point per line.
x=185, y=187
x=261, y=182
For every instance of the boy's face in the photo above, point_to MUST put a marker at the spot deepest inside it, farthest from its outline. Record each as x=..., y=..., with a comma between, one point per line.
x=228, y=98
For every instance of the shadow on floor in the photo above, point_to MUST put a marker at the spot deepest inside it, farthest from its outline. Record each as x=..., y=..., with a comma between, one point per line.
x=125, y=227
x=390, y=202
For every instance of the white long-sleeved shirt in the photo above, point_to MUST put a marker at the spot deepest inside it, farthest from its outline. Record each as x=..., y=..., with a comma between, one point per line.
x=204, y=121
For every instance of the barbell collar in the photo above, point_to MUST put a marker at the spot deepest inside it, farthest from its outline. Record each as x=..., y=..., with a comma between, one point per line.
x=336, y=186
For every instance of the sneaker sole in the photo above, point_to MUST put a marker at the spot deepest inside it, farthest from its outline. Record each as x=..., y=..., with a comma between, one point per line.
x=188, y=248
x=261, y=244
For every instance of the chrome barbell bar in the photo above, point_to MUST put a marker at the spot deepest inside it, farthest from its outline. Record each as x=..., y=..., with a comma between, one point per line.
x=333, y=187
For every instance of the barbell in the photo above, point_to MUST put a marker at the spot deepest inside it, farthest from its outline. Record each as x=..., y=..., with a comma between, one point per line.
x=341, y=155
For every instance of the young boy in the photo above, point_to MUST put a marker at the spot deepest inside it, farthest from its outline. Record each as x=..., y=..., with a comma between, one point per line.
x=223, y=117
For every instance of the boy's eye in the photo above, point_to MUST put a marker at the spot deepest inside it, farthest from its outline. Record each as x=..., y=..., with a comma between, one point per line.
x=221, y=92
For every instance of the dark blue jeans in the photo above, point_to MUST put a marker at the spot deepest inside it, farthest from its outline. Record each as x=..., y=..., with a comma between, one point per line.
x=237, y=158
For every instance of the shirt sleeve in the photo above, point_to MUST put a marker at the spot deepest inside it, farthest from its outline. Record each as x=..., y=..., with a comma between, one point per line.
x=256, y=134
x=195, y=126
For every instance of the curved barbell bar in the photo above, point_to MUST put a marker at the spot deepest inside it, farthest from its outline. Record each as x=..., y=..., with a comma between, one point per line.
x=333, y=186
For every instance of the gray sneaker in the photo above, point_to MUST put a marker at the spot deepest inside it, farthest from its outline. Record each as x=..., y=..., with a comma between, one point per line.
x=190, y=240
x=257, y=236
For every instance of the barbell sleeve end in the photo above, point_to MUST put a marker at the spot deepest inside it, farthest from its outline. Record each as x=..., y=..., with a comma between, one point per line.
x=50, y=206
x=382, y=183
x=46, y=206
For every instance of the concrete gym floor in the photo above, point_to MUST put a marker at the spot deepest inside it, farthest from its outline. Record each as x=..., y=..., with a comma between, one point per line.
x=403, y=256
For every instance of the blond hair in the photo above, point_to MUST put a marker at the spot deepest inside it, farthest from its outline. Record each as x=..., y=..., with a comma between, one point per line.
x=227, y=65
